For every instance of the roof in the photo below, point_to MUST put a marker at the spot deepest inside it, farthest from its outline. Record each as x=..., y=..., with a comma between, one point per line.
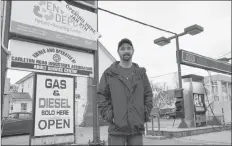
x=17, y=95
x=25, y=78
x=194, y=77
x=107, y=52
x=219, y=77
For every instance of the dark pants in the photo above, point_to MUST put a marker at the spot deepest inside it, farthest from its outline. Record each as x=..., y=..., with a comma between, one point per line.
x=125, y=139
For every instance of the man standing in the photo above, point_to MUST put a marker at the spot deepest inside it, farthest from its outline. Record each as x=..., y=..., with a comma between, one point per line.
x=125, y=98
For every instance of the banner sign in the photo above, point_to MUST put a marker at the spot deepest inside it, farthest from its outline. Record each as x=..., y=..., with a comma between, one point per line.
x=40, y=58
x=54, y=105
x=199, y=61
x=56, y=22
x=75, y=16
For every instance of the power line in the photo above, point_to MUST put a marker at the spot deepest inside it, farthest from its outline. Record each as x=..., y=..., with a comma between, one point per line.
x=223, y=55
x=163, y=75
x=136, y=21
x=168, y=73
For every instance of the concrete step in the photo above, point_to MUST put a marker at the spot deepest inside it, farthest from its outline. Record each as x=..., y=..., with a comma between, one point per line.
x=183, y=132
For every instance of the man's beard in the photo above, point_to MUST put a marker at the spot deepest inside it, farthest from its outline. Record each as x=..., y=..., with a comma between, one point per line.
x=126, y=57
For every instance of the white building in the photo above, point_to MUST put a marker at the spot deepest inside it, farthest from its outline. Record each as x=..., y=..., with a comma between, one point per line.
x=25, y=85
x=82, y=90
x=18, y=102
x=219, y=94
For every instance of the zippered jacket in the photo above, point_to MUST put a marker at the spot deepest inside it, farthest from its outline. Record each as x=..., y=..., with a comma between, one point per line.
x=125, y=107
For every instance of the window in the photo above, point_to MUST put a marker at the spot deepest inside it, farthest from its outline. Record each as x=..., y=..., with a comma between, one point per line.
x=216, y=98
x=229, y=91
x=11, y=107
x=23, y=106
x=215, y=89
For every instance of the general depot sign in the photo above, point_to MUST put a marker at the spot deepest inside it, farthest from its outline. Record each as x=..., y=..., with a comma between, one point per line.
x=40, y=58
x=53, y=21
x=199, y=61
x=54, y=105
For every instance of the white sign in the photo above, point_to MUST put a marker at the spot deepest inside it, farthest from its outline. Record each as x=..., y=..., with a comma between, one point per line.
x=53, y=21
x=54, y=110
x=40, y=58
x=76, y=17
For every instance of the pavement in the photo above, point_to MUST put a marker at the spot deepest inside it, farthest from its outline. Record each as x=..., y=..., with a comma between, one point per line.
x=84, y=134
x=214, y=138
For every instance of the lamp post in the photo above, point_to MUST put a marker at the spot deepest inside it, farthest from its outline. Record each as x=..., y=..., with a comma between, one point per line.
x=192, y=30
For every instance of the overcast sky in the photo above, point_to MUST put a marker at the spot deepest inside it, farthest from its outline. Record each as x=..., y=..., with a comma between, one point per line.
x=215, y=41
x=174, y=16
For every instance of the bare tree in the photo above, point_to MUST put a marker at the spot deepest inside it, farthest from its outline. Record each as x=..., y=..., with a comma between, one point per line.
x=159, y=94
x=175, y=80
x=162, y=96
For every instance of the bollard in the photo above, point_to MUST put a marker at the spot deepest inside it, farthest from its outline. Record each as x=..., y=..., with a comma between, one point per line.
x=152, y=123
x=146, y=129
x=158, y=118
x=223, y=117
x=173, y=122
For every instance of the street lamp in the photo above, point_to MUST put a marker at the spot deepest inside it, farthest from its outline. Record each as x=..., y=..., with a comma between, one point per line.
x=192, y=30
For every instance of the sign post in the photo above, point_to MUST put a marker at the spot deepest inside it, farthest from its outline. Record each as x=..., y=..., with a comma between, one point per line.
x=54, y=108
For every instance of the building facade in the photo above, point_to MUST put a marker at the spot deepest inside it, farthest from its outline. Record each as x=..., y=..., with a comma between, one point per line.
x=17, y=102
x=219, y=95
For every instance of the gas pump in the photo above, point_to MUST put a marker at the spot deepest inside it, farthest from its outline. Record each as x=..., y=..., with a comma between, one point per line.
x=199, y=109
x=194, y=100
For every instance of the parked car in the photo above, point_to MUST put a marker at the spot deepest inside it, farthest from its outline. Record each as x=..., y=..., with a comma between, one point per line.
x=170, y=115
x=17, y=123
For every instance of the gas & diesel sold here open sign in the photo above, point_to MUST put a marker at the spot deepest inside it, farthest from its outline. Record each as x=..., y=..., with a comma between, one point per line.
x=54, y=105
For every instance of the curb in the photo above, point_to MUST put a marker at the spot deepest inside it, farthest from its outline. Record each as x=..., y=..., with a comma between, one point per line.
x=155, y=137
x=187, y=132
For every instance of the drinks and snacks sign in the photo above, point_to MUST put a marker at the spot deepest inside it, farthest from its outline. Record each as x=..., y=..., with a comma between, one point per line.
x=47, y=59
x=56, y=22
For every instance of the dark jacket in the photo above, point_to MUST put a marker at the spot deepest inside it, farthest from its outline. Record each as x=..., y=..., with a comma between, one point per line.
x=129, y=107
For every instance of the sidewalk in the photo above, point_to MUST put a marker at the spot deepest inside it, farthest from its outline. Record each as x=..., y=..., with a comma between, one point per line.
x=214, y=138
x=84, y=134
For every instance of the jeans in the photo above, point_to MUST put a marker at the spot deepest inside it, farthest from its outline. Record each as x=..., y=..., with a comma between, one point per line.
x=125, y=139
